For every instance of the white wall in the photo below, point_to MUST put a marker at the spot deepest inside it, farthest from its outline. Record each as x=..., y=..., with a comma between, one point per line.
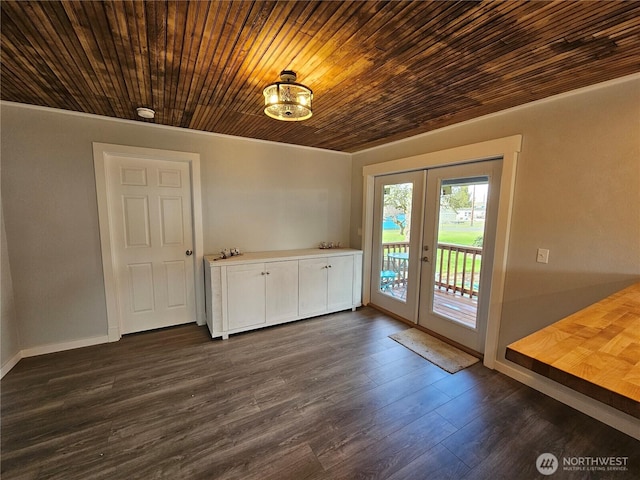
x=256, y=196
x=577, y=193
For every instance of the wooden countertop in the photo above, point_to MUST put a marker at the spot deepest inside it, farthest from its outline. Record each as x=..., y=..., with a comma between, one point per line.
x=595, y=351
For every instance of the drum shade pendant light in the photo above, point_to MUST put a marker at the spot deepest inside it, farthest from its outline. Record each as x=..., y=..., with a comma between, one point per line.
x=288, y=100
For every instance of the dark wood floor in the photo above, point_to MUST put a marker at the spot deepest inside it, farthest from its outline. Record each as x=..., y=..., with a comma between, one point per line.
x=326, y=398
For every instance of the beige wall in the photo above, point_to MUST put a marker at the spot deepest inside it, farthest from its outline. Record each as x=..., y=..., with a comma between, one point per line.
x=255, y=195
x=577, y=194
x=10, y=346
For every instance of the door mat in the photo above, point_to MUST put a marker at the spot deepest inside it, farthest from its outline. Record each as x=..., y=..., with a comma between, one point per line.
x=436, y=351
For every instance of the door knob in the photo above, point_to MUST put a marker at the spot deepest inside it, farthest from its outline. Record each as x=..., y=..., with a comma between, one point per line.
x=189, y=253
x=425, y=259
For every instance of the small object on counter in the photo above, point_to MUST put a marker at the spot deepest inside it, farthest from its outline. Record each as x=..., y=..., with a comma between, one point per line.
x=230, y=252
x=324, y=245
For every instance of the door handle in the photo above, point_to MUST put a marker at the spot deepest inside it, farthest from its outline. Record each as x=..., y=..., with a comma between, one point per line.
x=189, y=253
x=425, y=259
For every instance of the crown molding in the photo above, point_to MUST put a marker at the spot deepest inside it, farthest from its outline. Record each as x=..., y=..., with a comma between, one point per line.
x=163, y=127
x=553, y=98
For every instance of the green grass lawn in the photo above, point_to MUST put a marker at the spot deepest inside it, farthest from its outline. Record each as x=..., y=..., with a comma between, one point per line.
x=458, y=233
x=392, y=236
x=459, y=238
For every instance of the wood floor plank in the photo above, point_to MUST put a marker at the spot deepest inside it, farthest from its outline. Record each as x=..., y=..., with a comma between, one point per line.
x=360, y=430
x=486, y=395
x=325, y=398
x=490, y=432
x=437, y=463
x=391, y=453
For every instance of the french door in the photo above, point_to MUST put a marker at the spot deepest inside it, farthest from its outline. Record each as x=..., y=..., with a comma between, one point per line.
x=433, y=247
x=458, y=244
x=395, y=277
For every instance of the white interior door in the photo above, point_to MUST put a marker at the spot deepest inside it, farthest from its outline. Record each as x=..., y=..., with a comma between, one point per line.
x=149, y=204
x=458, y=245
x=397, y=231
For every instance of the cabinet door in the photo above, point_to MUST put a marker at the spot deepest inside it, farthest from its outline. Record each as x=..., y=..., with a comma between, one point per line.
x=282, y=291
x=313, y=286
x=246, y=295
x=340, y=286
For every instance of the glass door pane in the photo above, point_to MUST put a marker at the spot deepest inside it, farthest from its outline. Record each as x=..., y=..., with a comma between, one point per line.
x=398, y=204
x=460, y=233
x=396, y=232
x=459, y=228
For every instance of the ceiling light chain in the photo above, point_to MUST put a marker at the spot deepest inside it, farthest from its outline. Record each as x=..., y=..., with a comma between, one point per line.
x=288, y=100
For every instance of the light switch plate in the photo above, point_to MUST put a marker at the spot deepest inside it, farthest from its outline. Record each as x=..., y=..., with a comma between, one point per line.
x=543, y=255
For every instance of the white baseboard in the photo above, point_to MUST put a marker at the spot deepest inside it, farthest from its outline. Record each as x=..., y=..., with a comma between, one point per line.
x=114, y=334
x=61, y=347
x=6, y=368
x=589, y=406
x=52, y=348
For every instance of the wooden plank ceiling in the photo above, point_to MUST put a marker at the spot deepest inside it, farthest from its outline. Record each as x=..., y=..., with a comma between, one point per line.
x=380, y=71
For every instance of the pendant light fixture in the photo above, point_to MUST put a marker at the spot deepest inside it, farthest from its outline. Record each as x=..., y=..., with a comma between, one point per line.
x=288, y=100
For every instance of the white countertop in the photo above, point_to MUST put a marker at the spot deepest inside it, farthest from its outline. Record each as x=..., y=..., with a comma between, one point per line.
x=278, y=255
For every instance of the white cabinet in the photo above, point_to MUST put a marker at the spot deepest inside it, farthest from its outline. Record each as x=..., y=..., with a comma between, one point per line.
x=313, y=286
x=267, y=288
x=282, y=291
x=340, y=282
x=246, y=295
x=261, y=293
x=326, y=284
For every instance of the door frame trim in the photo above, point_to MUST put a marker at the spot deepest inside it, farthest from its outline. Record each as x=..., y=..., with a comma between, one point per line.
x=101, y=154
x=507, y=148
